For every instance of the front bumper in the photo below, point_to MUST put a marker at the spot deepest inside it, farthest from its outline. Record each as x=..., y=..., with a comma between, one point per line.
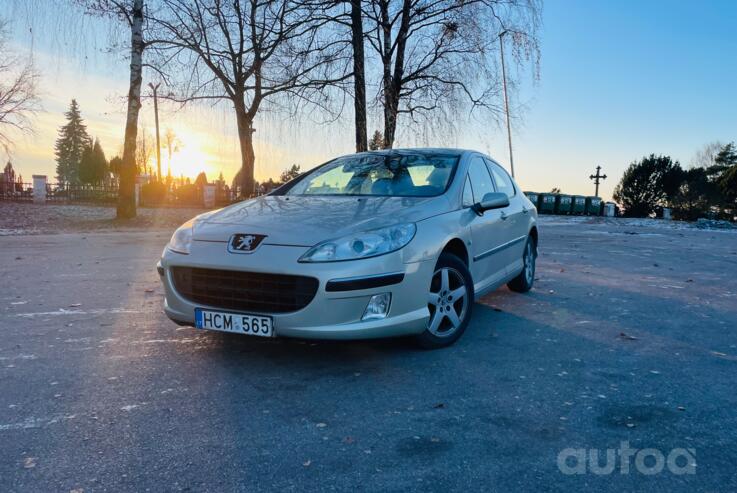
x=331, y=314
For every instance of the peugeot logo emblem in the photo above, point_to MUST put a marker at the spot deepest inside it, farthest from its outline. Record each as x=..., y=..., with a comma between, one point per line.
x=244, y=243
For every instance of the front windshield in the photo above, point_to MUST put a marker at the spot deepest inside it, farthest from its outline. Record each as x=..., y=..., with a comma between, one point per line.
x=396, y=175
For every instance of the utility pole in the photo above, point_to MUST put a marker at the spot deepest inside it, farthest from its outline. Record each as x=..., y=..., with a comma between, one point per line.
x=154, y=88
x=597, y=177
x=506, y=100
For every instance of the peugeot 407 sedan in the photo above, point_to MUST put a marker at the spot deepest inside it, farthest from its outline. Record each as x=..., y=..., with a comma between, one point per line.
x=375, y=244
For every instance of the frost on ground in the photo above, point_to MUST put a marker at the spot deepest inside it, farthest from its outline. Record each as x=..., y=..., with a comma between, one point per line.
x=27, y=218
x=634, y=223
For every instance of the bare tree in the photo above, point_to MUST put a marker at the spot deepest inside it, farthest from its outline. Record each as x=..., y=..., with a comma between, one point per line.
x=249, y=53
x=706, y=156
x=18, y=92
x=436, y=55
x=131, y=12
x=171, y=141
x=359, y=76
x=145, y=149
x=348, y=16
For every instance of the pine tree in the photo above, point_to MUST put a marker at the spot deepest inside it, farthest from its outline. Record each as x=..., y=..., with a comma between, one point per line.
x=115, y=164
x=376, y=142
x=726, y=159
x=201, y=180
x=93, y=167
x=99, y=164
x=290, y=174
x=85, y=172
x=70, y=146
x=727, y=156
x=648, y=184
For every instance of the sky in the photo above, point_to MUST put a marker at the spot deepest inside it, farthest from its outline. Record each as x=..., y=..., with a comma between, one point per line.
x=618, y=81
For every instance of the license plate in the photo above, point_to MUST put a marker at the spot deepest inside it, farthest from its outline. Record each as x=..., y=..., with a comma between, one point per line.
x=239, y=323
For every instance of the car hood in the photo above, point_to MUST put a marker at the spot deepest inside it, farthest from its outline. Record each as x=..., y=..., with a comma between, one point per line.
x=305, y=221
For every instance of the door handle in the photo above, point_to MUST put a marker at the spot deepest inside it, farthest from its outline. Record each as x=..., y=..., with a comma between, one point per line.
x=503, y=216
x=525, y=210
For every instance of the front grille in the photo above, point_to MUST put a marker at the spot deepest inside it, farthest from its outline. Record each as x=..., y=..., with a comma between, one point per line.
x=244, y=291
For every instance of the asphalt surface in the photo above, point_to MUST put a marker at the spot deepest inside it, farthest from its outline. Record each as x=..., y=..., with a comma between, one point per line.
x=630, y=335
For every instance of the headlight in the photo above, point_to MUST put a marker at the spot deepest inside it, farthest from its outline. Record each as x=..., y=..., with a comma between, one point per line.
x=362, y=245
x=182, y=238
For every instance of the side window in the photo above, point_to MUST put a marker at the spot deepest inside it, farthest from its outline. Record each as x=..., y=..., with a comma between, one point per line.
x=501, y=179
x=467, y=194
x=480, y=179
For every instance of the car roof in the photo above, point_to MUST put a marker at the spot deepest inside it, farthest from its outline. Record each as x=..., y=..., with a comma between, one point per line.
x=417, y=150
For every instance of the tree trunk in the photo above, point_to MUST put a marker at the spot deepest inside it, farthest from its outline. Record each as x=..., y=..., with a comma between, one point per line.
x=127, y=187
x=391, y=105
x=248, y=157
x=393, y=83
x=359, y=76
x=158, y=138
x=386, y=80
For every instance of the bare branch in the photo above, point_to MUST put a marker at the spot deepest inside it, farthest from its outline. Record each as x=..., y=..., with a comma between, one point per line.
x=258, y=55
x=439, y=56
x=19, y=100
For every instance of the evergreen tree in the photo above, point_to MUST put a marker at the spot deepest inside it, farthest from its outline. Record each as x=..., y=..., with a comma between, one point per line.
x=376, y=142
x=86, y=173
x=695, y=195
x=99, y=164
x=727, y=179
x=70, y=146
x=236, y=183
x=93, y=167
x=201, y=180
x=290, y=174
x=115, y=165
x=648, y=185
x=727, y=156
x=728, y=186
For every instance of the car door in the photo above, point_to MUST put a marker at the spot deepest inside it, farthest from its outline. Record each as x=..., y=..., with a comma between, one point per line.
x=487, y=230
x=517, y=217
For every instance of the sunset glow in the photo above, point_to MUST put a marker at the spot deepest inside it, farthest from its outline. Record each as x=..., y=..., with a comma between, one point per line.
x=189, y=156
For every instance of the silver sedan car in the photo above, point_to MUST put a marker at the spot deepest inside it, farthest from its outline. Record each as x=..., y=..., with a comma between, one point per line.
x=375, y=244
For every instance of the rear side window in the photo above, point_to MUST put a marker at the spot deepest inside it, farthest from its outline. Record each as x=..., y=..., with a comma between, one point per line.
x=501, y=179
x=480, y=179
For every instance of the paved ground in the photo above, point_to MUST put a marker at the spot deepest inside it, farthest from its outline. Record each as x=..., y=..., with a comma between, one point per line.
x=630, y=335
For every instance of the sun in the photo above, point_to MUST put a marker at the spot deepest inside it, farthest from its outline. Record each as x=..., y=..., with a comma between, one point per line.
x=188, y=156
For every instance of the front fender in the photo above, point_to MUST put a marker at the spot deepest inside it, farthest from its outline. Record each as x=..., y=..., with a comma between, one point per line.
x=434, y=233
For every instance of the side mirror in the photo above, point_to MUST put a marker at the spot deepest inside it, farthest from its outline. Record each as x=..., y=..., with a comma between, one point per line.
x=492, y=200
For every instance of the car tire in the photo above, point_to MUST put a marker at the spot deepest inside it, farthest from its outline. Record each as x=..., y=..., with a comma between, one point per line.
x=450, y=302
x=524, y=281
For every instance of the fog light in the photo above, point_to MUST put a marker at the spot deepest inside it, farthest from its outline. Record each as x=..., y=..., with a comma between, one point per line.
x=378, y=307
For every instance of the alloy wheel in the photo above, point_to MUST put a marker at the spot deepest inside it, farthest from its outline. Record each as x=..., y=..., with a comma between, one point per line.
x=529, y=263
x=447, y=302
